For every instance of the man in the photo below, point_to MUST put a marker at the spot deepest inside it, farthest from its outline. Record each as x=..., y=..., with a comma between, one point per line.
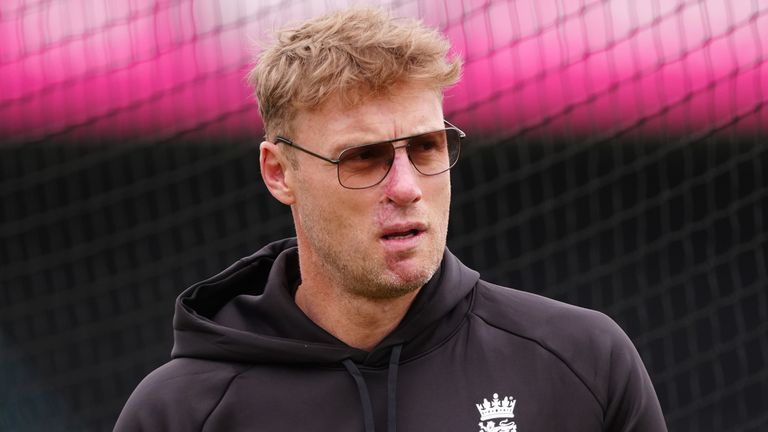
x=365, y=321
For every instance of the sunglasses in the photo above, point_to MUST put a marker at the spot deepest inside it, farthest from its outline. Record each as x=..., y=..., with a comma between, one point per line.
x=366, y=165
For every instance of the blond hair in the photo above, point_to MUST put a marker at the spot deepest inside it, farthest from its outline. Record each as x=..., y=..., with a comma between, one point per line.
x=354, y=54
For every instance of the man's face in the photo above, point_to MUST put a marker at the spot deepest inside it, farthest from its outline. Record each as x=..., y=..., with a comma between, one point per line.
x=380, y=242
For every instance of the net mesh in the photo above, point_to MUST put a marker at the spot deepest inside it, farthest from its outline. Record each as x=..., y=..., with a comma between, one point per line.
x=616, y=160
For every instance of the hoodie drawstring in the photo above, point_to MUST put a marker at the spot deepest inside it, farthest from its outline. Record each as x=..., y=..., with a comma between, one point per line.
x=362, y=389
x=365, y=397
x=394, y=363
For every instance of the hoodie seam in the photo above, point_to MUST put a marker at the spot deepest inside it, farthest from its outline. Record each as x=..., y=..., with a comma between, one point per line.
x=553, y=353
x=453, y=333
x=221, y=398
x=282, y=341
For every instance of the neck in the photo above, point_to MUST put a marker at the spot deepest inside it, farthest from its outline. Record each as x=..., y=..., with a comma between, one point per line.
x=359, y=322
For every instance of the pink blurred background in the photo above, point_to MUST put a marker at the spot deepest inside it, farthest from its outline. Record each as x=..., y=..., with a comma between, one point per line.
x=151, y=69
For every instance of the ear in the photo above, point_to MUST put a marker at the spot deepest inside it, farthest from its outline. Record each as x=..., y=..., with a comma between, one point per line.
x=276, y=172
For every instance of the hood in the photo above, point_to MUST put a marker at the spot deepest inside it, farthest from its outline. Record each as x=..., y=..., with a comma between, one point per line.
x=247, y=314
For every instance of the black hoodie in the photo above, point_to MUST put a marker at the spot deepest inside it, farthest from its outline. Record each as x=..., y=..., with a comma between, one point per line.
x=467, y=356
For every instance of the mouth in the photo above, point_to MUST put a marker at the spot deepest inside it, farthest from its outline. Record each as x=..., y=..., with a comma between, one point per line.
x=402, y=235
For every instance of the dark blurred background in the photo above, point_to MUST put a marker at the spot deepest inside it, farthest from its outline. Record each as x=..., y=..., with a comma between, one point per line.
x=616, y=160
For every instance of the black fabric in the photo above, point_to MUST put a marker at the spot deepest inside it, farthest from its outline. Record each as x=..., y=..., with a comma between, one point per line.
x=466, y=354
x=365, y=398
x=394, y=363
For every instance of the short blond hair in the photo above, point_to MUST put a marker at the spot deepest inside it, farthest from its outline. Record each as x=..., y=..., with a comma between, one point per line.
x=353, y=54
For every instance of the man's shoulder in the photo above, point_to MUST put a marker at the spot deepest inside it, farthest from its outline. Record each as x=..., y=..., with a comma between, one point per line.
x=178, y=395
x=538, y=317
x=586, y=341
x=189, y=372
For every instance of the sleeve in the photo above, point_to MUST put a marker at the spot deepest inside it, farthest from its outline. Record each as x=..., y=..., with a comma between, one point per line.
x=173, y=399
x=593, y=347
x=631, y=401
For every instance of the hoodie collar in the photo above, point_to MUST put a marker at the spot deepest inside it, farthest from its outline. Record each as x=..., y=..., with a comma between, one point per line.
x=247, y=314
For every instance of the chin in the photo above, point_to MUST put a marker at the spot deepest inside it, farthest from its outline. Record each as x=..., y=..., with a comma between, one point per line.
x=390, y=287
x=398, y=282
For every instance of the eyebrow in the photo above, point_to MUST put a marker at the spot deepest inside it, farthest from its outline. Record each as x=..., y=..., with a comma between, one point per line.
x=338, y=148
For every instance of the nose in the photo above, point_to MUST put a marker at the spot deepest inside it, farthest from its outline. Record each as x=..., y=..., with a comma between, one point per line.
x=402, y=183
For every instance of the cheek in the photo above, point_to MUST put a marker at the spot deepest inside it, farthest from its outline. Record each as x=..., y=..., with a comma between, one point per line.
x=336, y=208
x=442, y=201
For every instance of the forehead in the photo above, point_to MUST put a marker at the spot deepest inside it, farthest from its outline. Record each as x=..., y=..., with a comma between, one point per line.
x=407, y=110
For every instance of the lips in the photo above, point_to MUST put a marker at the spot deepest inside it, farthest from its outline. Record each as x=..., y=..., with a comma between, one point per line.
x=403, y=231
x=401, y=235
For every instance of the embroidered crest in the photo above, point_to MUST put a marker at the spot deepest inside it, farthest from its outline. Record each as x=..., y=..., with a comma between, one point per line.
x=497, y=415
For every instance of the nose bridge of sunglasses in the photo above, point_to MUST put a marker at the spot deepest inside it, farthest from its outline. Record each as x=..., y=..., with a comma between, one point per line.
x=406, y=146
x=407, y=162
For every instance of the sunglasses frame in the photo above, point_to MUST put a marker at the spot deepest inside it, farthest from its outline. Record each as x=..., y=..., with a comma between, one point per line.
x=338, y=160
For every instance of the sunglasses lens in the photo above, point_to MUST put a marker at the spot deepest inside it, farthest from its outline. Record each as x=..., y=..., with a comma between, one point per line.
x=364, y=166
x=431, y=153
